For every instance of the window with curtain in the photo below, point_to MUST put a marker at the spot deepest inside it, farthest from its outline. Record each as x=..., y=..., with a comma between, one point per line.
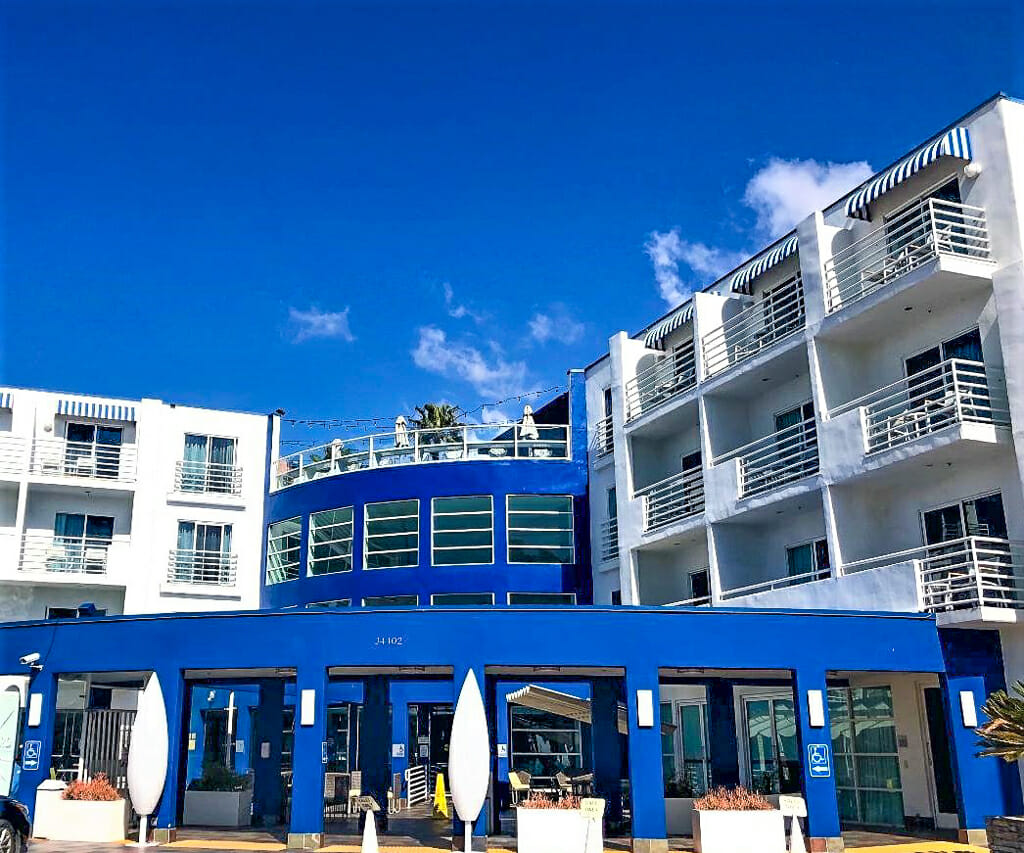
x=284, y=543
x=330, y=541
x=209, y=464
x=463, y=530
x=392, y=537
x=540, y=529
x=807, y=558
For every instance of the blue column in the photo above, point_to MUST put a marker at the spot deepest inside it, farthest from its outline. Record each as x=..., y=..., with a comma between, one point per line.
x=44, y=685
x=375, y=744
x=819, y=780
x=307, y=813
x=646, y=778
x=269, y=730
x=487, y=692
x=172, y=685
x=723, y=748
x=607, y=766
x=399, y=734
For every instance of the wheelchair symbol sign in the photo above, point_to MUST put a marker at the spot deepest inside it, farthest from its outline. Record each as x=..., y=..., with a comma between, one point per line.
x=30, y=758
x=819, y=761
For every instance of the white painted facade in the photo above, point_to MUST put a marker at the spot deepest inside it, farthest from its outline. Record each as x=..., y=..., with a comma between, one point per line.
x=93, y=495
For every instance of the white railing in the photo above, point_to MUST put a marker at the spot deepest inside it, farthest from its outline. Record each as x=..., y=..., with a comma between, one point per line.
x=486, y=442
x=207, y=477
x=79, y=555
x=668, y=377
x=12, y=454
x=416, y=789
x=204, y=568
x=954, y=391
x=778, y=315
x=976, y=571
x=672, y=499
x=778, y=583
x=62, y=458
x=604, y=440
x=696, y=601
x=923, y=232
x=782, y=457
x=609, y=540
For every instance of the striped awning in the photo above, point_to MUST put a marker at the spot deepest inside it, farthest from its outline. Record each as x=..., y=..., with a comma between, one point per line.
x=567, y=705
x=741, y=280
x=683, y=314
x=5, y=399
x=86, y=407
x=954, y=143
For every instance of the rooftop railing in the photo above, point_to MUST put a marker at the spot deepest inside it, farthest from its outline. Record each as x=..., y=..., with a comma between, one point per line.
x=207, y=477
x=668, y=377
x=62, y=458
x=78, y=555
x=201, y=568
x=672, y=499
x=483, y=443
x=783, y=457
x=604, y=441
x=778, y=583
x=778, y=315
x=12, y=454
x=923, y=232
x=609, y=540
x=955, y=391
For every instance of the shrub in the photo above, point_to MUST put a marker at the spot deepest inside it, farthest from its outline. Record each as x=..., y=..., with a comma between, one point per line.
x=217, y=777
x=537, y=800
x=733, y=800
x=97, y=789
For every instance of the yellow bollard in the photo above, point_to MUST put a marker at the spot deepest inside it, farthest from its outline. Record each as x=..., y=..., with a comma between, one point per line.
x=440, y=800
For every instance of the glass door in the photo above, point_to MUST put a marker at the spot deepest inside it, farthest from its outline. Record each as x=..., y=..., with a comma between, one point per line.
x=772, y=752
x=693, y=741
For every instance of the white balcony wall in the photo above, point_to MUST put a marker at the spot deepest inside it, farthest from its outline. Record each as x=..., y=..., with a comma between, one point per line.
x=25, y=601
x=664, y=572
x=660, y=456
x=45, y=502
x=8, y=506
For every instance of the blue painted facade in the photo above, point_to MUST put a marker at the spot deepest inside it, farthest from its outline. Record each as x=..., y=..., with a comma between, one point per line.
x=498, y=478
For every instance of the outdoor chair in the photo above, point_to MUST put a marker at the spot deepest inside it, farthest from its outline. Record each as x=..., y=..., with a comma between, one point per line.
x=564, y=783
x=519, y=782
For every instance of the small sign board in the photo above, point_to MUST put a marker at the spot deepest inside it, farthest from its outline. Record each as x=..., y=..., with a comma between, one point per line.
x=239, y=746
x=502, y=750
x=398, y=750
x=791, y=806
x=265, y=749
x=30, y=755
x=424, y=750
x=191, y=741
x=819, y=760
x=323, y=752
x=592, y=808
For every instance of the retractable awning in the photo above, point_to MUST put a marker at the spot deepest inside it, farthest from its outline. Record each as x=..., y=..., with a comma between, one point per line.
x=953, y=143
x=683, y=314
x=567, y=705
x=742, y=279
x=90, y=407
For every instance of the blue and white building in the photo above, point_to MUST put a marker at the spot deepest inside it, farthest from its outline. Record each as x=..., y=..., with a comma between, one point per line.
x=770, y=540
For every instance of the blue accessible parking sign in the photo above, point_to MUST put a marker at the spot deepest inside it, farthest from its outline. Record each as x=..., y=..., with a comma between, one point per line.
x=819, y=761
x=30, y=757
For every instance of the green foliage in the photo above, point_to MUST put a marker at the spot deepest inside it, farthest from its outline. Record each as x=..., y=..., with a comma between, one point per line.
x=217, y=777
x=1003, y=734
x=439, y=419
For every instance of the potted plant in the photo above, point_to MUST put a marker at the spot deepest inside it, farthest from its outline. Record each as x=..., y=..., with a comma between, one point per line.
x=1003, y=737
x=735, y=820
x=220, y=797
x=679, y=797
x=545, y=824
x=90, y=810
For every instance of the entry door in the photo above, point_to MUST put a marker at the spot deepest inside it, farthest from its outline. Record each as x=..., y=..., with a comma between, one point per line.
x=943, y=785
x=440, y=738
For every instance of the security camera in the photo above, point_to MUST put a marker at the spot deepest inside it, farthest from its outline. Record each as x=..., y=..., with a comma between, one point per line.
x=30, y=660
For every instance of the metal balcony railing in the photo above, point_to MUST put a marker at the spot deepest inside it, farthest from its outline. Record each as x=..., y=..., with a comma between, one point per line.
x=12, y=454
x=604, y=440
x=609, y=540
x=201, y=568
x=62, y=458
x=668, y=377
x=921, y=233
x=696, y=601
x=777, y=459
x=954, y=391
x=778, y=583
x=672, y=499
x=207, y=478
x=476, y=442
x=82, y=555
x=778, y=315
x=976, y=571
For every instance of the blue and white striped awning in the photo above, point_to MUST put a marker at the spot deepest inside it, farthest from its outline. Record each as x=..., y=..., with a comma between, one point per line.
x=5, y=399
x=953, y=143
x=677, y=318
x=741, y=280
x=83, y=407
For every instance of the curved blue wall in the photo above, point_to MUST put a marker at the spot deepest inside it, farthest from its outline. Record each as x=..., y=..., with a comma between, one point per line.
x=497, y=478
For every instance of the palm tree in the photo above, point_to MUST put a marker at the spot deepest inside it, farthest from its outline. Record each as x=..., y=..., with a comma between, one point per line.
x=1003, y=734
x=440, y=418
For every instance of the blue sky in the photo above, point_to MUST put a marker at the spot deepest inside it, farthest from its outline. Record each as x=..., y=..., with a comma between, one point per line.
x=344, y=209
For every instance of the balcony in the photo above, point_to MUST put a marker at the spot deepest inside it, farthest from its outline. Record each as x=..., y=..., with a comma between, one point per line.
x=201, y=568
x=777, y=583
x=609, y=540
x=928, y=230
x=604, y=440
x=669, y=377
x=12, y=454
x=971, y=573
x=777, y=316
x=65, y=555
x=672, y=499
x=59, y=457
x=471, y=443
x=207, y=478
x=785, y=456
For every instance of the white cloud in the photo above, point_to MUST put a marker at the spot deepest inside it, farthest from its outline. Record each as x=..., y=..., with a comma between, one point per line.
x=315, y=323
x=493, y=415
x=667, y=250
x=555, y=324
x=460, y=360
x=786, y=191
x=456, y=309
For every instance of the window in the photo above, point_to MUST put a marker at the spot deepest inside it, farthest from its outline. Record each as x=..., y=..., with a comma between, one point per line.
x=392, y=534
x=284, y=543
x=668, y=750
x=330, y=541
x=391, y=601
x=456, y=598
x=334, y=603
x=540, y=529
x=203, y=554
x=209, y=465
x=684, y=749
x=867, y=759
x=92, y=450
x=463, y=530
x=981, y=516
x=772, y=751
x=80, y=543
x=616, y=597
x=700, y=584
x=808, y=558
x=544, y=743
x=72, y=612
x=553, y=599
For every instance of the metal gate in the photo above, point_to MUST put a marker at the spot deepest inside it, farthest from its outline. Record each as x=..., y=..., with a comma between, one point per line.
x=105, y=738
x=416, y=785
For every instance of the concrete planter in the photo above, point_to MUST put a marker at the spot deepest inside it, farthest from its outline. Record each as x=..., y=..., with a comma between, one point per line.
x=218, y=808
x=557, y=831
x=1005, y=834
x=679, y=815
x=739, y=831
x=58, y=819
